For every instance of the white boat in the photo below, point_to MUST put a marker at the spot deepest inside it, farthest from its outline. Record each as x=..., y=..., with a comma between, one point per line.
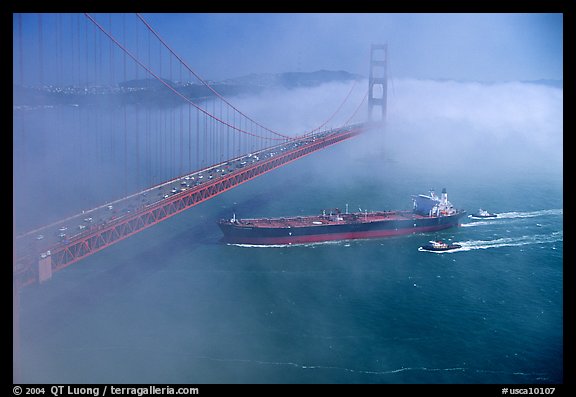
x=482, y=214
x=439, y=246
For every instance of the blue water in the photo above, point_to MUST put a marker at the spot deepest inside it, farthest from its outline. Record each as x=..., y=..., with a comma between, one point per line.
x=176, y=305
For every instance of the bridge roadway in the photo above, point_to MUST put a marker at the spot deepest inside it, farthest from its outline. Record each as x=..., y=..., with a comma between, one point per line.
x=42, y=251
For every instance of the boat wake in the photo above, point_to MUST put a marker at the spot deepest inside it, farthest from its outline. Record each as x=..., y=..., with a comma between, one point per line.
x=529, y=214
x=511, y=241
x=260, y=245
x=475, y=224
x=504, y=242
x=335, y=242
x=514, y=215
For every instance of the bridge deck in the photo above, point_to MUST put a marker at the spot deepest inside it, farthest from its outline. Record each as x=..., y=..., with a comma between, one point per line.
x=78, y=236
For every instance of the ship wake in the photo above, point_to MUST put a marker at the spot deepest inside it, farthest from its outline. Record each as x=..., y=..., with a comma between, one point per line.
x=505, y=242
x=320, y=243
x=515, y=215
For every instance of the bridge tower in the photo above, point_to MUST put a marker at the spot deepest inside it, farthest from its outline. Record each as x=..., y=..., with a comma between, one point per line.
x=378, y=83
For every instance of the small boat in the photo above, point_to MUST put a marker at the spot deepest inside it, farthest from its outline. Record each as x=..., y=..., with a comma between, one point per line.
x=481, y=214
x=439, y=246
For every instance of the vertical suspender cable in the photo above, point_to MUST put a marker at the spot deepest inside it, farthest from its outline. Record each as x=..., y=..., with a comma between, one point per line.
x=40, y=51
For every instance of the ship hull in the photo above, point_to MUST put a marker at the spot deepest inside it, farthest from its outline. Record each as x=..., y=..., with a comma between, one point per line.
x=241, y=234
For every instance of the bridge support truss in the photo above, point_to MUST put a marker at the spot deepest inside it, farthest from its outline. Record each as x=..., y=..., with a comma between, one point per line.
x=91, y=242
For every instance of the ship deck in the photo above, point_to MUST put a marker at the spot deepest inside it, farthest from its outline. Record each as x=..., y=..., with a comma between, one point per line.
x=322, y=220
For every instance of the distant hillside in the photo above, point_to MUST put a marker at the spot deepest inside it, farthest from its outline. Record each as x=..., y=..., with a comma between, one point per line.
x=292, y=79
x=151, y=92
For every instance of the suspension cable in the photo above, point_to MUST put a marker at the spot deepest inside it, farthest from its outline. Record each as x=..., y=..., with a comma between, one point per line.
x=206, y=83
x=228, y=103
x=109, y=35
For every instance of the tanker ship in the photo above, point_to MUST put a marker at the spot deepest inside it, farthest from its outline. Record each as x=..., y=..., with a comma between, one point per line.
x=429, y=213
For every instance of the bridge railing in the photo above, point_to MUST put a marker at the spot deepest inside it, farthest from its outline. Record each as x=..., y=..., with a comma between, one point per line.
x=32, y=268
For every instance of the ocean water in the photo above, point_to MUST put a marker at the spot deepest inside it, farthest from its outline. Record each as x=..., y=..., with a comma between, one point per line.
x=175, y=304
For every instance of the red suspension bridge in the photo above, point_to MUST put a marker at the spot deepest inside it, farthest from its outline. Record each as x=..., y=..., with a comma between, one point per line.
x=103, y=100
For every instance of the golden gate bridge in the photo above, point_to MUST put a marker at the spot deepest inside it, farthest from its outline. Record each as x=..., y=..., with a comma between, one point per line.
x=104, y=77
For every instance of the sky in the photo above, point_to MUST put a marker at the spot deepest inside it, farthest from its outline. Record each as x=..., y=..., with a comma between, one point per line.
x=487, y=47
x=491, y=47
